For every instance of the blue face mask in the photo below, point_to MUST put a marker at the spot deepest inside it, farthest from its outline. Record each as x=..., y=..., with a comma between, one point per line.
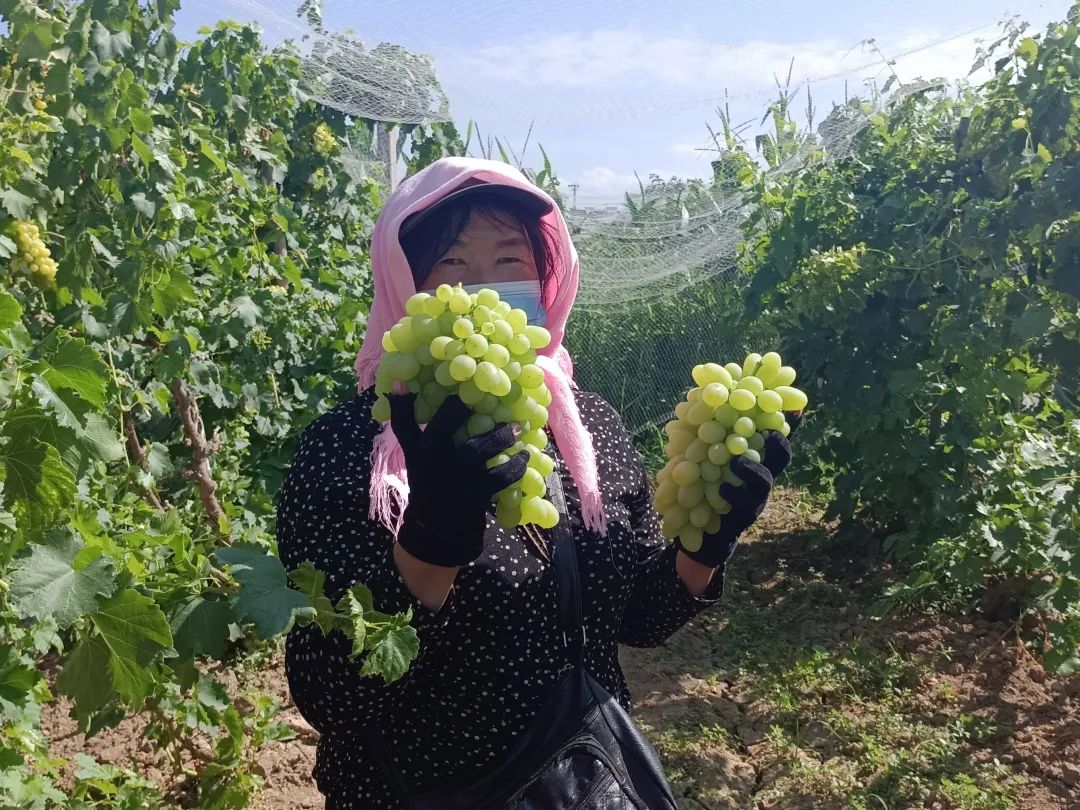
x=523, y=295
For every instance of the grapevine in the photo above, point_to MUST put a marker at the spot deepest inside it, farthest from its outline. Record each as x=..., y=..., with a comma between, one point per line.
x=34, y=257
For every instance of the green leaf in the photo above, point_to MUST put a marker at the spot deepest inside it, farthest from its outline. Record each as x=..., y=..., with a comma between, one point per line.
x=143, y=205
x=392, y=656
x=265, y=597
x=46, y=584
x=54, y=405
x=108, y=45
x=17, y=204
x=16, y=678
x=146, y=155
x=74, y=364
x=34, y=472
x=10, y=311
x=310, y=581
x=135, y=630
x=201, y=627
x=85, y=677
x=211, y=154
x=101, y=438
x=141, y=121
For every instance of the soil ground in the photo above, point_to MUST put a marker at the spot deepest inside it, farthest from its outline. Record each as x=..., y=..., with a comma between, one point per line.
x=786, y=696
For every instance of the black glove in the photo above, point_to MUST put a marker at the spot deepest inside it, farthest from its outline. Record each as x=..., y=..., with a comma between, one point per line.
x=747, y=501
x=450, y=488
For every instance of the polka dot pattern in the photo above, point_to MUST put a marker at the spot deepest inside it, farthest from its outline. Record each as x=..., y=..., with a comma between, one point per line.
x=492, y=653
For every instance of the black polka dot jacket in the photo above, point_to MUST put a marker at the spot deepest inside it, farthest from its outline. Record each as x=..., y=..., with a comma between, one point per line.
x=489, y=657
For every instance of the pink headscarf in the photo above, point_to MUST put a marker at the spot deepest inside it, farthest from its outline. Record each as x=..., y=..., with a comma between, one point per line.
x=393, y=287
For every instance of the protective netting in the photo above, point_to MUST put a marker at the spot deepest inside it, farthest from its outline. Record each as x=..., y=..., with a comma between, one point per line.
x=658, y=284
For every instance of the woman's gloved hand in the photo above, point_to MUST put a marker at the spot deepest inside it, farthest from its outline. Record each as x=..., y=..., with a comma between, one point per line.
x=747, y=501
x=450, y=488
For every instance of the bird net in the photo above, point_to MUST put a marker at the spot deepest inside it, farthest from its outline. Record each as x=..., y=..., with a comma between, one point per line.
x=605, y=81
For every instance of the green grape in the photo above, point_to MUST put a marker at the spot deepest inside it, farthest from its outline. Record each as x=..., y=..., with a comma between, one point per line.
x=486, y=376
x=713, y=526
x=785, y=376
x=752, y=455
x=694, y=396
x=512, y=369
x=744, y=427
x=715, y=394
x=536, y=437
x=708, y=373
x=501, y=309
x=736, y=444
x=691, y=495
x=463, y=328
x=470, y=393
x=532, y=484
x=541, y=394
x=380, y=411
x=519, y=345
x=502, y=332
x=742, y=400
x=496, y=461
x=462, y=367
x=677, y=444
x=460, y=302
x=691, y=538
x=729, y=477
x=443, y=376
x=476, y=345
x=700, y=514
x=422, y=411
x=750, y=383
x=726, y=416
x=531, y=376
x=735, y=370
x=538, y=336
x=700, y=414
x=425, y=328
x=770, y=366
x=439, y=345
x=532, y=509
x=682, y=410
x=770, y=402
x=756, y=442
x=793, y=398
x=751, y=363
x=769, y=421
x=487, y=298
x=686, y=473
x=711, y=432
x=487, y=405
x=479, y=423
x=540, y=461
x=444, y=292
x=415, y=305
x=711, y=472
x=402, y=335
x=455, y=348
x=667, y=493
x=498, y=356
x=518, y=319
x=434, y=306
x=697, y=451
x=388, y=343
x=435, y=394
x=503, y=386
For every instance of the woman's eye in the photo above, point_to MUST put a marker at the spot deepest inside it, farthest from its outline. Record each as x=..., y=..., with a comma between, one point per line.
x=450, y=261
x=509, y=259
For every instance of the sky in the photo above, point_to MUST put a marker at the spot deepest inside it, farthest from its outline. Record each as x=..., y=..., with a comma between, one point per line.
x=614, y=87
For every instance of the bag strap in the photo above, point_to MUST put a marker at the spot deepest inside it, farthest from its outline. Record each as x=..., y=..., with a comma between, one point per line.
x=567, y=578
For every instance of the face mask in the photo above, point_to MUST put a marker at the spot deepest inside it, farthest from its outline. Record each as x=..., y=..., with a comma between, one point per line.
x=518, y=294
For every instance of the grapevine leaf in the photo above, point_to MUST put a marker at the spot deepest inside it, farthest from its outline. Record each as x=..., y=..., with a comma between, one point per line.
x=392, y=656
x=10, y=311
x=143, y=205
x=55, y=405
x=34, y=472
x=135, y=630
x=310, y=581
x=46, y=583
x=201, y=627
x=101, y=439
x=16, y=678
x=265, y=597
x=355, y=606
x=16, y=203
x=85, y=677
x=75, y=365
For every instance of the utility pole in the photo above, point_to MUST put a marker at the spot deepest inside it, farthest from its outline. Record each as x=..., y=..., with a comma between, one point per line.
x=573, y=189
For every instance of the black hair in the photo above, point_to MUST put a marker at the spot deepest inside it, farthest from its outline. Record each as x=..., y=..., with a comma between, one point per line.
x=425, y=244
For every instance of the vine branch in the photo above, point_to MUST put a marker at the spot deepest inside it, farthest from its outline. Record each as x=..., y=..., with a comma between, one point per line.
x=201, y=450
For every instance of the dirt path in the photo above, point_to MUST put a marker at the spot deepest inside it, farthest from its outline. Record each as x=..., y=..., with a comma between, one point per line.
x=786, y=696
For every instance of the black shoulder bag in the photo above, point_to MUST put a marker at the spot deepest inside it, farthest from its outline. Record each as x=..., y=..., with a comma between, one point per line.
x=583, y=751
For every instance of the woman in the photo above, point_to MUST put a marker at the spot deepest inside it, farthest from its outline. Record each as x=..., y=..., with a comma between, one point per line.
x=417, y=528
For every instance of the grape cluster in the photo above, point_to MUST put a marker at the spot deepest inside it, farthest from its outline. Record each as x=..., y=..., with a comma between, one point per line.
x=724, y=416
x=478, y=347
x=34, y=257
x=324, y=140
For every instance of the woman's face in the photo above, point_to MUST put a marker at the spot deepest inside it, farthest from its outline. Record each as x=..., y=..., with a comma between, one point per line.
x=489, y=250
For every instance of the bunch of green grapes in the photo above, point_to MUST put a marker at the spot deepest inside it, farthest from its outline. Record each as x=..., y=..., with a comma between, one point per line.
x=324, y=140
x=34, y=257
x=480, y=348
x=724, y=416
